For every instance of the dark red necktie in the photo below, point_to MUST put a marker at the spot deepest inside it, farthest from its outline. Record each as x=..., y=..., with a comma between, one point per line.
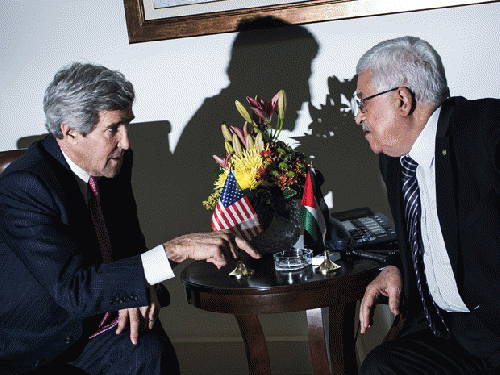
x=105, y=245
x=99, y=224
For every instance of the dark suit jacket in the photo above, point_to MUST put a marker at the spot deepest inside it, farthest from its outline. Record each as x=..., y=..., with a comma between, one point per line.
x=467, y=161
x=51, y=277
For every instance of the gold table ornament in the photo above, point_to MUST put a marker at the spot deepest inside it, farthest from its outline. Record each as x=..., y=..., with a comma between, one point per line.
x=327, y=266
x=241, y=270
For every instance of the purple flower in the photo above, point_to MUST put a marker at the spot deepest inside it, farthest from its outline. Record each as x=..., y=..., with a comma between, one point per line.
x=223, y=162
x=262, y=108
x=239, y=132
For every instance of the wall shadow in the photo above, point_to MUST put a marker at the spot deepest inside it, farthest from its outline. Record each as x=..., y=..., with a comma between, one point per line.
x=154, y=180
x=24, y=142
x=267, y=55
x=342, y=153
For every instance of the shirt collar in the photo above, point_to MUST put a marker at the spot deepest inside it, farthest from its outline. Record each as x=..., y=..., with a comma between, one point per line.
x=84, y=176
x=424, y=147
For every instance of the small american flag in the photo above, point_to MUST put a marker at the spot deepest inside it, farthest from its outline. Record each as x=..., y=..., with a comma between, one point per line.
x=234, y=211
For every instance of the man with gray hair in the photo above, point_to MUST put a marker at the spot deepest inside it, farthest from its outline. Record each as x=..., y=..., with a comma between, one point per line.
x=80, y=292
x=440, y=160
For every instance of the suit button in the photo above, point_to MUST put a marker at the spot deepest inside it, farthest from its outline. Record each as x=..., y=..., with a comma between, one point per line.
x=69, y=339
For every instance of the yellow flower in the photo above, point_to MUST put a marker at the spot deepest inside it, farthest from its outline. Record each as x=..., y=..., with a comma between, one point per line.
x=212, y=200
x=219, y=183
x=246, y=165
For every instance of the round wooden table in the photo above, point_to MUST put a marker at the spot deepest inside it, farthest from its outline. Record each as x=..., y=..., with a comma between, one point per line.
x=269, y=291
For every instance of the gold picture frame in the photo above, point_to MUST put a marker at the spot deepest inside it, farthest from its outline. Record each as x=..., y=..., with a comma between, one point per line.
x=144, y=29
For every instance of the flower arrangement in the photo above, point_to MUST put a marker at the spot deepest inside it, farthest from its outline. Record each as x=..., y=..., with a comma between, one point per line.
x=258, y=159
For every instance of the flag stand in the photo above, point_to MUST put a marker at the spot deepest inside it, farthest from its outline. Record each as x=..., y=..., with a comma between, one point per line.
x=327, y=266
x=241, y=270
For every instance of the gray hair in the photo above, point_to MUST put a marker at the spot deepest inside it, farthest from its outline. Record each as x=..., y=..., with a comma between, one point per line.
x=410, y=62
x=79, y=92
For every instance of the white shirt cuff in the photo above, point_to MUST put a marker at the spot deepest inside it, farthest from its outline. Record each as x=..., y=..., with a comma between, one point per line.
x=156, y=265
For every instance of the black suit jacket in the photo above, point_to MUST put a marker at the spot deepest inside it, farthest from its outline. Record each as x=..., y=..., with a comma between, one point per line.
x=467, y=165
x=51, y=277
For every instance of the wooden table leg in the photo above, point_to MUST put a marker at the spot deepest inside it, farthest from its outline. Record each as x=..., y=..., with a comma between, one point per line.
x=341, y=338
x=255, y=344
x=317, y=343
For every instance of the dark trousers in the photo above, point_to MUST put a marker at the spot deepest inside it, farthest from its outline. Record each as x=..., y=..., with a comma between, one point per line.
x=112, y=354
x=473, y=349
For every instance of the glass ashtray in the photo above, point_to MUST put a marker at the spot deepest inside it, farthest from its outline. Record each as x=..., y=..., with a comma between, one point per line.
x=292, y=260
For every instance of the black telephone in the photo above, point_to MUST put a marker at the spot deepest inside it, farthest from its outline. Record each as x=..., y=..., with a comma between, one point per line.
x=363, y=233
x=366, y=229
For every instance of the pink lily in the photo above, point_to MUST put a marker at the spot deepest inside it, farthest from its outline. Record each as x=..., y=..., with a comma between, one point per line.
x=223, y=162
x=262, y=108
x=239, y=132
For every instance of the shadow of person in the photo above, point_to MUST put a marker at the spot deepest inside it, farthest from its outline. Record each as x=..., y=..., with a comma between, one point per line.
x=153, y=180
x=342, y=153
x=24, y=142
x=267, y=55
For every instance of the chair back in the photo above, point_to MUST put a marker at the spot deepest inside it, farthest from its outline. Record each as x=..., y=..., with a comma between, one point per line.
x=7, y=157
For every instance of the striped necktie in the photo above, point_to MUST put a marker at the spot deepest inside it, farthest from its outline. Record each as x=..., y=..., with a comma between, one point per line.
x=107, y=321
x=411, y=194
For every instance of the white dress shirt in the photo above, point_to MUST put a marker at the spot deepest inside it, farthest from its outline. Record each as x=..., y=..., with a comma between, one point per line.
x=438, y=271
x=155, y=262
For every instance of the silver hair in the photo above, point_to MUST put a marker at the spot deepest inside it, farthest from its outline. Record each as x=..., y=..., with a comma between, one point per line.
x=79, y=92
x=407, y=61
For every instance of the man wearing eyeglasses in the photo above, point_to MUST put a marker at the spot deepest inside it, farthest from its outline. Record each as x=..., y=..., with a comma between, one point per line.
x=439, y=157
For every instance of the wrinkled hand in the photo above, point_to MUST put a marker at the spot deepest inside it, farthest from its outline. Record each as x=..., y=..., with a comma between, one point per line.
x=139, y=317
x=215, y=247
x=388, y=284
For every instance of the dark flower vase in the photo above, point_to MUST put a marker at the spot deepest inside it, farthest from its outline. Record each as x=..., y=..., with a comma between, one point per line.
x=280, y=219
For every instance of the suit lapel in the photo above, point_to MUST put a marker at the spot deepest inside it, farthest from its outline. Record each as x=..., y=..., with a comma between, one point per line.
x=395, y=189
x=65, y=185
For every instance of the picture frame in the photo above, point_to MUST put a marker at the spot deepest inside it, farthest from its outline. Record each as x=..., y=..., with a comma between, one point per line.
x=145, y=23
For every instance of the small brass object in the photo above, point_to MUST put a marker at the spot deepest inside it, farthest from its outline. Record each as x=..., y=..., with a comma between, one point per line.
x=327, y=266
x=241, y=270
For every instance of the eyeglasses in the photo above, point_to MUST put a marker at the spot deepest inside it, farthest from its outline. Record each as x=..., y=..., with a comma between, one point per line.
x=360, y=103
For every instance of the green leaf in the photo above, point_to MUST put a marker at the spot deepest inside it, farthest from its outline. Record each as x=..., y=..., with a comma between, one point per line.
x=289, y=193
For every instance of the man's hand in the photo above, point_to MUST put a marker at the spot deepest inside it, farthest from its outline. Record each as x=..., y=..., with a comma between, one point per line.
x=388, y=284
x=215, y=247
x=139, y=317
